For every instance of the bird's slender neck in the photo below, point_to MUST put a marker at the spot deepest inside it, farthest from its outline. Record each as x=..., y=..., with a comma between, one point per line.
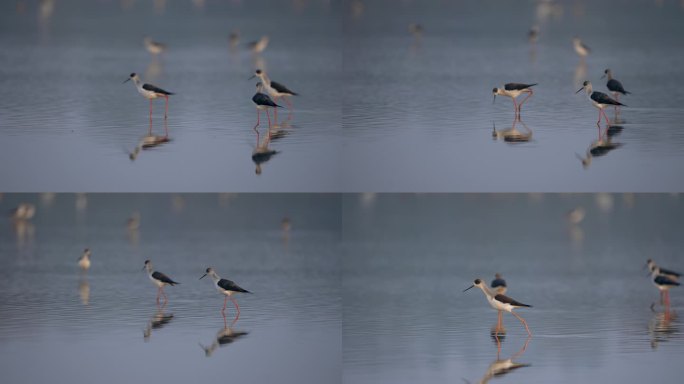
x=137, y=82
x=610, y=75
x=265, y=79
x=214, y=277
x=589, y=89
x=148, y=268
x=486, y=291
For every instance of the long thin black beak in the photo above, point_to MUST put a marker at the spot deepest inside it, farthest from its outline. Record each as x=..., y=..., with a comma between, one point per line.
x=253, y=76
x=604, y=75
x=127, y=80
x=494, y=99
x=143, y=267
x=579, y=90
x=202, y=276
x=468, y=288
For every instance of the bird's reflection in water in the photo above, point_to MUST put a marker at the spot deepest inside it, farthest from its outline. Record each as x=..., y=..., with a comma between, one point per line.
x=154, y=69
x=580, y=73
x=150, y=141
x=226, y=335
x=513, y=135
x=500, y=367
x=662, y=326
x=601, y=147
x=262, y=153
x=157, y=321
x=84, y=290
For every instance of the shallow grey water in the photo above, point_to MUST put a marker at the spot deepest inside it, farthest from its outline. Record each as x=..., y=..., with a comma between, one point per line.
x=418, y=115
x=104, y=326
x=68, y=124
x=407, y=259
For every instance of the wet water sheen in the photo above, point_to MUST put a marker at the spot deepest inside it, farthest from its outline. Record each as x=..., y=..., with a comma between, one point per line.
x=418, y=114
x=104, y=326
x=408, y=258
x=68, y=124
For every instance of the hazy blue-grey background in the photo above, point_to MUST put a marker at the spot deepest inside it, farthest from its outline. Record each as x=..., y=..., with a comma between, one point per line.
x=407, y=259
x=418, y=115
x=57, y=324
x=68, y=123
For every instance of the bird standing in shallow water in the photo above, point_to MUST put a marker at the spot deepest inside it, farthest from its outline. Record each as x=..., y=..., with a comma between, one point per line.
x=84, y=260
x=580, y=48
x=501, y=302
x=226, y=287
x=614, y=85
x=159, y=279
x=600, y=100
x=154, y=47
x=263, y=101
x=663, y=283
x=513, y=90
x=150, y=92
x=275, y=89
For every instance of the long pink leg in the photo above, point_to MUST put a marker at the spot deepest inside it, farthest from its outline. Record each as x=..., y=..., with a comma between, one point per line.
x=523, y=321
x=236, y=307
x=500, y=320
x=150, y=109
x=515, y=106
x=161, y=289
x=275, y=110
x=289, y=107
x=166, y=111
x=599, y=120
x=269, y=119
x=258, y=114
x=225, y=302
x=524, y=100
x=606, y=116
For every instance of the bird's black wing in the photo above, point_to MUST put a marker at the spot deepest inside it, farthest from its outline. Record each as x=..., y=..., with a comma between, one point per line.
x=163, y=278
x=664, y=280
x=264, y=99
x=281, y=88
x=498, y=283
x=517, y=86
x=616, y=86
x=602, y=98
x=155, y=89
x=508, y=300
x=229, y=285
x=669, y=272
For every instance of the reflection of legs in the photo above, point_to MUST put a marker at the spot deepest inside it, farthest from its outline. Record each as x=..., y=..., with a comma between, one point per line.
x=522, y=321
x=269, y=118
x=150, y=109
x=524, y=100
x=149, y=131
x=515, y=107
x=289, y=107
x=166, y=110
x=522, y=350
x=499, y=323
x=498, y=346
x=258, y=117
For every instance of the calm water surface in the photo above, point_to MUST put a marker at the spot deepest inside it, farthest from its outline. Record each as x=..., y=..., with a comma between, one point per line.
x=105, y=327
x=418, y=114
x=408, y=258
x=68, y=124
